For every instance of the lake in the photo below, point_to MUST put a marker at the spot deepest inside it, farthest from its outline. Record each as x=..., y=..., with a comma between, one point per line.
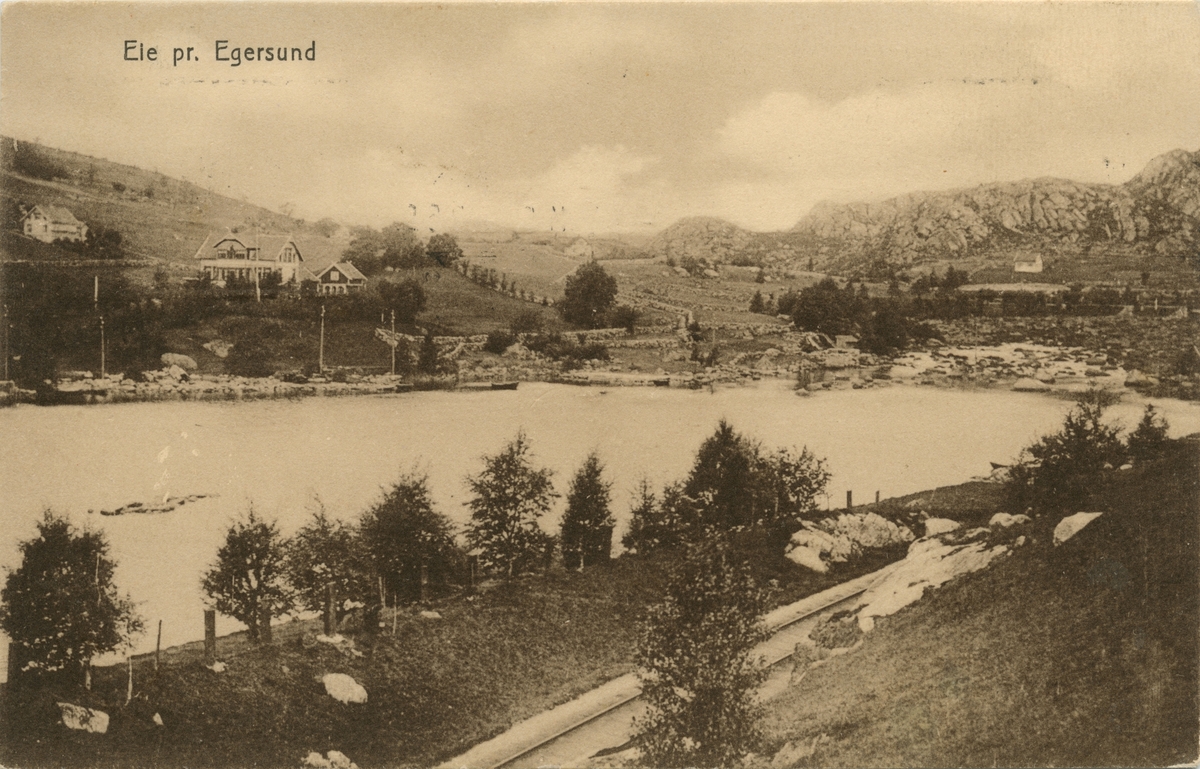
x=281, y=455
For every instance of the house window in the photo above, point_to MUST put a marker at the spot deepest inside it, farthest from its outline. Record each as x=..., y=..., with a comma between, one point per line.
x=333, y=275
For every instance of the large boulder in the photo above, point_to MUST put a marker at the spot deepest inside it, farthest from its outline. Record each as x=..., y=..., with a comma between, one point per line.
x=218, y=347
x=808, y=558
x=1004, y=520
x=1072, y=525
x=83, y=719
x=184, y=362
x=344, y=689
x=935, y=526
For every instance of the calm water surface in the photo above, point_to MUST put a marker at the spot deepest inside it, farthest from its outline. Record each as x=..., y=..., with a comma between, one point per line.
x=279, y=455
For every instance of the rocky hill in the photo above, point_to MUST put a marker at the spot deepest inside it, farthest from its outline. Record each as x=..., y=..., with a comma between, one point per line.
x=1156, y=211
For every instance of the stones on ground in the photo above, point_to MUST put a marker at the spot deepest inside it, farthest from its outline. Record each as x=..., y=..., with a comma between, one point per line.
x=158, y=721
x=837, y=540
x=334, y=759
x=1004, y=520
x=344, y=689
x=1030, y=385
x=792, y=753
x=1072, y=525
x=935, y=526
x=217, y=667
x=218, y=347
x=83, y=719
x=430, y=615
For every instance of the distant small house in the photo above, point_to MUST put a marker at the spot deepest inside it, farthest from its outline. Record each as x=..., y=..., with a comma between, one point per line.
x=580, y=249
x=51, y=223
x=339, y=278
x=1028, y=264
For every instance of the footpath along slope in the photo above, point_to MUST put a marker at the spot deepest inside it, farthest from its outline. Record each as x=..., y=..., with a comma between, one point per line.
x=527, y=735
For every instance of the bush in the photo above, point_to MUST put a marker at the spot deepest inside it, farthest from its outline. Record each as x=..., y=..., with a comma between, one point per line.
x=403, y=533
x=61, y=607
x=624, y=316
x=1064, y=472
x=694, y=661
x=528, y=322
x=1150, y=437
x=498, y=341
x=510, y=496
x=246, y=581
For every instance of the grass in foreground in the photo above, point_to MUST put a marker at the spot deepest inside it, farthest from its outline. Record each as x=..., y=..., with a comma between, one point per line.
x=435, y=688
x=1081, y=655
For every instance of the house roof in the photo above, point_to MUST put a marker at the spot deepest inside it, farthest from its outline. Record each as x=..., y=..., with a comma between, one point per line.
x=317, y=254
x=346, y=268
x=1027, y=259
x=56, y=214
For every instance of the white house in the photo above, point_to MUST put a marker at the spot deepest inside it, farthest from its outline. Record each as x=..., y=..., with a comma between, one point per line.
x=51, y=223
x=246, y=256
x=1028, y=263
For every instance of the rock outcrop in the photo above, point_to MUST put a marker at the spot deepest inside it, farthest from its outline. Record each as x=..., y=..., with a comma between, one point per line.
x=837, y=540
x=1072, y=525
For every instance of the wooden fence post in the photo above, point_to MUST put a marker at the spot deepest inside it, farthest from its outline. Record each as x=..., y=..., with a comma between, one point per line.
x=158, y=647
x=849, y=499
x=329, y=621
x=877, y=496
x=210, y=636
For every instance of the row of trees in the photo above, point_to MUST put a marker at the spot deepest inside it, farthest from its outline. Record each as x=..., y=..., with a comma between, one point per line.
x=398, y=247
x=403, y=543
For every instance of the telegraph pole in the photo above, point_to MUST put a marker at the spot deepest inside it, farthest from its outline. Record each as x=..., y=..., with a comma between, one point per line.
x=393, y=345
x=321, y=350
x=6, y=350
x=102, y=370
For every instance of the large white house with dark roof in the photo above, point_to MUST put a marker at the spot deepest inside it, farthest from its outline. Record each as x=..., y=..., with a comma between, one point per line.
x=251, y=256
x=51, y=223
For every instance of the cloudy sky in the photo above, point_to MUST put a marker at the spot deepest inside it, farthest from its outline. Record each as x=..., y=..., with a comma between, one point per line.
x=596, y=118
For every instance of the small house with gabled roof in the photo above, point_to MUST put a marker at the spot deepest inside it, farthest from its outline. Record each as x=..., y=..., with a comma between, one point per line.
x=1028, y=263
x=51, y=223
x=338, y=278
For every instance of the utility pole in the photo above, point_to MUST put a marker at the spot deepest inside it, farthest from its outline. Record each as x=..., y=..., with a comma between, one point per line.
x=102, y=369
x=6, y=350
x=393, y=345
x=321, y=349
x=95, y=291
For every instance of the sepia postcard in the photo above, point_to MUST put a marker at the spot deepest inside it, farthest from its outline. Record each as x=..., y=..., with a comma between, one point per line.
x=527, y=384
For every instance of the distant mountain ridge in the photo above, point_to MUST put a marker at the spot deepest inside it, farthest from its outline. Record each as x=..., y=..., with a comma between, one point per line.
x=1156, y=211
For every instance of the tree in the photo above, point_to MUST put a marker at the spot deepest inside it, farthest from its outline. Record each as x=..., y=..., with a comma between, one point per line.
x=826, y=308
x=443, y=249
x=1064, y=471
x=246, y=581
x=406, y=297
x=61, y=607
x=588, y=524
x=428, y=357
x=403, y=534
x=756, y=302
x=1147, y=441
x=510, y=495
x=587, y=296
x=694, y=660
x=326, y=552
x=401, y=248
x=365, y=249
x=624, y=316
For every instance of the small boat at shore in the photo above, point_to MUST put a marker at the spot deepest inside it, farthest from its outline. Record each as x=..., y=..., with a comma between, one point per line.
x=504, y=385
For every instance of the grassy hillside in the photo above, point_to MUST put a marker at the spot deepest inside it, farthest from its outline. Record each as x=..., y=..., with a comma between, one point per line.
x=158, y=217
x=1080, y=655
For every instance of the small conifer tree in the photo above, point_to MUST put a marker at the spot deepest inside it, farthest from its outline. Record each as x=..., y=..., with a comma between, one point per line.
x=588, y=524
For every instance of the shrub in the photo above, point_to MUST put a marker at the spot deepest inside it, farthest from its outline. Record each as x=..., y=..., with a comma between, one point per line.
x=499, y=340
x=1150, y=437
x=624, y=316
x=528, y=322
x=61, y=607
x=246, y=581
x=694, y=661
x=1064, y=472
x=587, y=296
x=510, y=496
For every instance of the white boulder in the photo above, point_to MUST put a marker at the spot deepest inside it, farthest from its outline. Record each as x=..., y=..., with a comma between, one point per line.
x=83, y=719
x=1030, y=385
x=1072, y=525
x=316, y=761
x=935, y=526
x=808, y=558
x=430, y=615
x=339, y=760
x=344, y=689
x=176, y=359
x=1004, y=520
